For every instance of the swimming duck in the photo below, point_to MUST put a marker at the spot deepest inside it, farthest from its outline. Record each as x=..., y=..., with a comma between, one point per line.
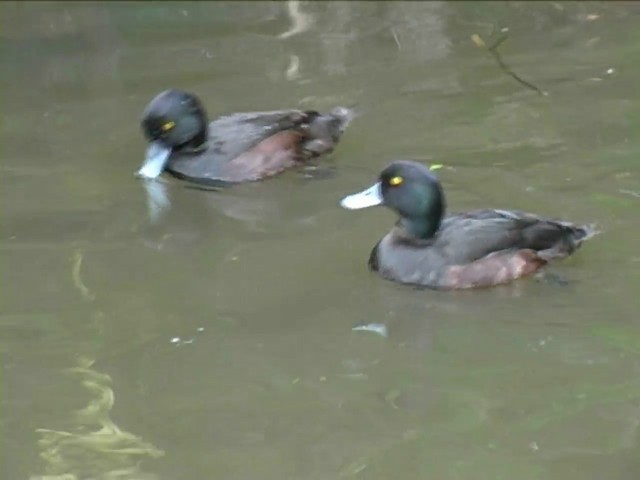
x=480, y=248
x=235, y=148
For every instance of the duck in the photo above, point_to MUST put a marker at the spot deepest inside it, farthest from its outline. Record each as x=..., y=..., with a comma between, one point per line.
x=474, y=249
x=235, y=148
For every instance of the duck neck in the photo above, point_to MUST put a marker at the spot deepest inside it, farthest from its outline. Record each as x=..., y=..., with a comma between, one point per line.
x=197, y=144
x=200, y=141
x=423, y=228
x=423, y=223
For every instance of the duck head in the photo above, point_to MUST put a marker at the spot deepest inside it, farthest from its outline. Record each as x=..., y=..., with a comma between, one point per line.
x=412, y=191
x=174, y=120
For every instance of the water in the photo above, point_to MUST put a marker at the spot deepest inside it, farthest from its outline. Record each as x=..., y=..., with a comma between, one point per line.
x=219, y=342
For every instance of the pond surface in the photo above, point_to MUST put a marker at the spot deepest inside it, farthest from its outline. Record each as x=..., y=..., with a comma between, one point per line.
x=222, y=340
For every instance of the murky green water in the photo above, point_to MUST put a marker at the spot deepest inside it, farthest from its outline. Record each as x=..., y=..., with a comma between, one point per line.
x=219, y=342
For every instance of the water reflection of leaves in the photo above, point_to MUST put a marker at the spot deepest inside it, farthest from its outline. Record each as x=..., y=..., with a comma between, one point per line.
x=106, y=453
x=87, y=294
x=300, y=21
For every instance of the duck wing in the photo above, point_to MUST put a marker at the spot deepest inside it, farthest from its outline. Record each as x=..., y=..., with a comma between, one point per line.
x=469, y=236
x=230, y=138
x=232, y=135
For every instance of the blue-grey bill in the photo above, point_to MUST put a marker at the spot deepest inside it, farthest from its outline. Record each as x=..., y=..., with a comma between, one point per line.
x=155, y=160
x=367, y=198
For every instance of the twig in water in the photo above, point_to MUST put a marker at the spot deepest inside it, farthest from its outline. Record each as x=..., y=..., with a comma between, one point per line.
x=493, y=49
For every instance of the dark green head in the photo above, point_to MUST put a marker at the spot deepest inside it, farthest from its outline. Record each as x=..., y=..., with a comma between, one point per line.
x=410, y=189
x=174, y=120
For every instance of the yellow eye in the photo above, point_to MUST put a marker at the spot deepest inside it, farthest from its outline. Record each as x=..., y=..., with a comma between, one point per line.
x=167, y=126
x=395, y=181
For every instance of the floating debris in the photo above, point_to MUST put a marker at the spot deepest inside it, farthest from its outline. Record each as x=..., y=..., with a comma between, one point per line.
x=477, y=39
x=378, y=328
x=395, y=37
x=353, y=468
x=630, y=192
x=177, y=341
x=392, y=397
x=103, y=452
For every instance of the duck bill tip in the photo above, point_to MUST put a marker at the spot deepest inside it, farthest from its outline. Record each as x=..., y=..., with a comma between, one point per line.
x=155, y=160
x=369, y=197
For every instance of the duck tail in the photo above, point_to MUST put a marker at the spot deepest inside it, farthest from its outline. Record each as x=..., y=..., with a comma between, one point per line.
x=583, y=233
x=571, y=239
x=325, y=129
x=343, y=117
x=338, y=118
